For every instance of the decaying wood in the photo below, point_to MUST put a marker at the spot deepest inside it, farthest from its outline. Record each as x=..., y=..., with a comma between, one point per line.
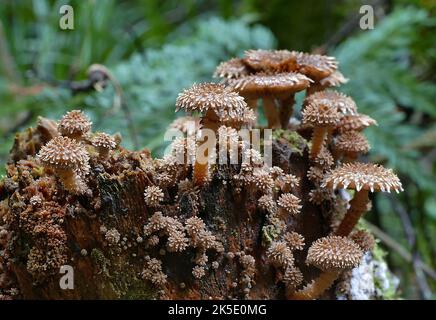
x=115, y=200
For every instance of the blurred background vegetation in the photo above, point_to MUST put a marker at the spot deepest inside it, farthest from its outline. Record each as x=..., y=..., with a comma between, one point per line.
x=154, y=48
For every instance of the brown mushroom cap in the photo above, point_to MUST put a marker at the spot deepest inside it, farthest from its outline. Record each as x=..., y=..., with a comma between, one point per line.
x=293, y=277
x=355, y=122
x=334, y=80
x=225, y=103
x=264, y=84
x=289, y=202
x=334, y=253
x=103, y=140
x=63, y=153
x=294, y=240
x=231, y=69
x=363, y=239
x=270, y=60
x=363, y=176
x=333, y=99
x=352, y=141
x=74, y=123
x=315, y=66
x=320, y=115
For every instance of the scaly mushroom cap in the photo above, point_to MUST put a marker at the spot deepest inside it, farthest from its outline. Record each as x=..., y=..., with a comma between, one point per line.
x=263, y=84
x=63, y=153
x=334, y=80
x=324, y=159
x=366, y=176
x=363, y=239
x=270, y=60
x=293, y=277
x=280, y=254
x=231, y=69
x=334, y=253
x=294, y=240
x=226, y=104
x=74, y=123
x=334, y=99
x=187, y=125
x=320, y=115
x=355, y=122
x=153, y=195
x=290, y=203
x=103, y=140
x=352, y=141
x=315, y=66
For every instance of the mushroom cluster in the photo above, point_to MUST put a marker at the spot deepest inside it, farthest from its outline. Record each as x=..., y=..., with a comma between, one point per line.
x=68, y=154
x=275, y=76
x=235, y=220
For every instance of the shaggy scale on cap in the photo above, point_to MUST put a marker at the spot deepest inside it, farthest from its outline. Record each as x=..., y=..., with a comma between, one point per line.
x=153, y=195
x=315, y=66
x=352, y=142
x=334, y=80
x=226, y=103
x=320, y=115
x=231, y=69
x=63, y=153
x=334, y=99
x=104, y=141
x=290, y=203
x=355, y=122
x=334, y=253
x=261, y=83
x=364, y=239
x=74, y=124
x=270, y=60
x=294, y=240
x=367, y=176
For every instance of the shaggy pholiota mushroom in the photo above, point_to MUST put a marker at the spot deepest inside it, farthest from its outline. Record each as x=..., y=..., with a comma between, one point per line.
x=173, y=228
x=66, y=157
x=270, y=60
x=218, y=105
x=74, y=125
x=104, y=143
x=271, y=87
x=343, y=103
x=350, y=144
x=333, y=255
x=317, y=67
x=363, y=178
x=355, y=122
x=321, y=117
x=334, y=80
x=233, y=68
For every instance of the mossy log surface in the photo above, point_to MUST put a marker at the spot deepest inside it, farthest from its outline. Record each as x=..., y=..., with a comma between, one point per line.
x=115, y=201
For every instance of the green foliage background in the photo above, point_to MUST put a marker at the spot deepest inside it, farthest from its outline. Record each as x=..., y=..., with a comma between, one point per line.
x=156, y=48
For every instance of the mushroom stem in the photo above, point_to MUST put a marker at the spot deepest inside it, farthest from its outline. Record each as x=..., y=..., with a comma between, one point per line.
x=314, y=87
x=69, y=180
x=317, y=287
x=286, y=110
x=358, y=206
x=269, y=107
x=318, y=137
x=200, y=170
